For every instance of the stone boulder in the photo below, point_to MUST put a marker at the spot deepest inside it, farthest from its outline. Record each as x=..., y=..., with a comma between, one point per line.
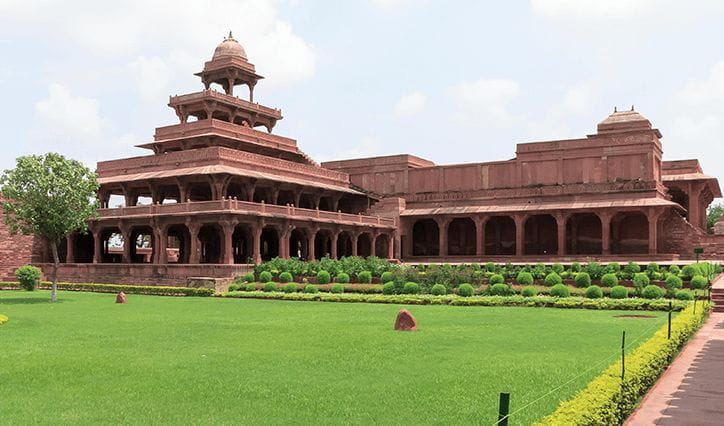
x=405, y=321
x=121, y=297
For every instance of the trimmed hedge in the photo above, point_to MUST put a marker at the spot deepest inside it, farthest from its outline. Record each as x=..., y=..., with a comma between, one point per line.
x=3, y=319
x=342, y=278
x=594, y=292
x=438, y=290
x=619, y=292
x=337, y=289
x=270, y=286
x=130, y=289
x=560, y=290
x=602, y=401
x=454, y=300
x=466, y=290
x=528, y=291
x=285, y=277
x=364, y=277
x=290, y=288
x=524, y=278
x=265, y=276
x=553, y=279
x=28, y=276
x=583, y=280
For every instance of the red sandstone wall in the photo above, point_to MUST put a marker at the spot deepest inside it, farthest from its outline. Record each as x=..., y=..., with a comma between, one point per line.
x=17, y=250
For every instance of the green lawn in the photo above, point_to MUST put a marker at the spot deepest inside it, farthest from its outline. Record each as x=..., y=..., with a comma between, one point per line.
x=229, y=361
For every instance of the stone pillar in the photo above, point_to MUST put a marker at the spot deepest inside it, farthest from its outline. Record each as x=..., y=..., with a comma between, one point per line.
x=228, y=254
x=392, y=245
x=311, y=235
x=256, y=237
x=693, y=214
x=605, y=218
x=127, y=243
x=284, y=248
x=373, y=242
x=69, y=246
x=442, y=224
x=355, y=238
x=480, y=235
x=97, y=247
x=653, y=218
x=161, y=244
x=561, y=227
x=333, y=249
x=519, y=234
x=194, y=246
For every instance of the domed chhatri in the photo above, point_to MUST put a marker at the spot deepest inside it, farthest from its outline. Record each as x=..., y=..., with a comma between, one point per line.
x=229, y=47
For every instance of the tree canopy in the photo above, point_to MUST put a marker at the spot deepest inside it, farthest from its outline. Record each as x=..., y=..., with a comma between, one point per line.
x=712, y=215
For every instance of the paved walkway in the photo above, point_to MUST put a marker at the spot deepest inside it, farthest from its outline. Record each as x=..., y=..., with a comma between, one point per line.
x=691, y=391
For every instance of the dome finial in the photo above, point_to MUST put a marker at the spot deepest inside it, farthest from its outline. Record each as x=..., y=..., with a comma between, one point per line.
x=632, y=107
x=615, y=109
x=230, y=36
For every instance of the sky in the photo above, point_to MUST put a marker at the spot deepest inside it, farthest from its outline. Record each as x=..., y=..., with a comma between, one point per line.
x=451, y=81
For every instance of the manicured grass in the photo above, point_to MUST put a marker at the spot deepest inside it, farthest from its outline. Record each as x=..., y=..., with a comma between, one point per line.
x=230, y=361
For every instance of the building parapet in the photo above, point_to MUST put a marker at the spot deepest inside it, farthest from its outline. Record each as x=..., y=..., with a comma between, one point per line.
x=231, y=100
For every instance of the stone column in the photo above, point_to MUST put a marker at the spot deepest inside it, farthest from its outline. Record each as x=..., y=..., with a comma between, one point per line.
x=561, y=227
x=355, y=238
x=228, y=230
x=256, y=237
x=127, y=243
x=653, y=218
x=69, y=246
x=97, y=247
x=392, y=245
x=480, y=235
x=442, y=224
x=373, y=242
x=311, y=235
x=161, y=244
x=519, y=234
x=194, y=246
x=333, y=249
x=284, y=248
x=605, y=218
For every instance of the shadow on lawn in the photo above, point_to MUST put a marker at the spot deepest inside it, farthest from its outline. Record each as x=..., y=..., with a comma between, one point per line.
x=26, y=300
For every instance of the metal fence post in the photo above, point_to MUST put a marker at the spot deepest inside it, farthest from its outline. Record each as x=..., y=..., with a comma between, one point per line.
x=503, y=409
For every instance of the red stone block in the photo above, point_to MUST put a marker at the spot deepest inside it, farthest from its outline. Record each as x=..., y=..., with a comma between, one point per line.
x=405, y=321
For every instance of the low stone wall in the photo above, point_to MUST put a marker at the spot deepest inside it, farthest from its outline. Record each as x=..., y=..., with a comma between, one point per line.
x=147, y=274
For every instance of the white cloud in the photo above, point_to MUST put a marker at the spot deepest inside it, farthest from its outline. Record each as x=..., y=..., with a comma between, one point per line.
x=368, y=146
x=68, y=116
x=711, y=89
x=486, y=101
x=410, y=104
x=388, y=4
x=592, y=9
x=562, y=118
x=152, y=76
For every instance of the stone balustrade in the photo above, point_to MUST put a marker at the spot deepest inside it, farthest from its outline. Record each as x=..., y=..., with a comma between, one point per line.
x=233, y=100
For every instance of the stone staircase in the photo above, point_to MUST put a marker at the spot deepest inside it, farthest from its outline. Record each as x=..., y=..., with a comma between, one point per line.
x=717, y=293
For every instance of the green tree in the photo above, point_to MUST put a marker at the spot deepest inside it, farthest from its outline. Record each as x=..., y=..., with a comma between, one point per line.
x=49, y=196
x=712, y=216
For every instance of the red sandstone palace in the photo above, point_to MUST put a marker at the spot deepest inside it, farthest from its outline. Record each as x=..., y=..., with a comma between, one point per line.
x=218, y=193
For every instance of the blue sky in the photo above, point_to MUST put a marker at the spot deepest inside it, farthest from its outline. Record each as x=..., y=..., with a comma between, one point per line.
x=450, y=81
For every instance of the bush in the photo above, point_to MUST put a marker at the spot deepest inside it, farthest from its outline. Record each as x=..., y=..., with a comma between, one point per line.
x=388, y=288
x=233, y=287
x=524, y=278
x=560, y=290
x=438, y=290
x=674, y=269
x=689, y=271
x=311, y=288
x=490, y=266
x=387, y=277
x=265, y=277
x=673, y=283
x=466, y=290
x=500, y=289
x=323, y=277
x=640, y=281
x=285, y=277
x=619, y=292
x=609, y=280
x=411, y=288
x=342, y=277
x=575, y=267
x=613, y=268
x=28, y=276
x=583, y=280
x=632, y=268
x=652, y=292
x=684, y=295
x=652, y=267
x=270, y=286
x=698, y=282
x=290, y=288
x=250, y=287
x=594, y=292
x=248, y=277
x=496, y=279
x=557, y=268
x=364, y=277
x=337, y=289
x=528, y=291
x=553, y=279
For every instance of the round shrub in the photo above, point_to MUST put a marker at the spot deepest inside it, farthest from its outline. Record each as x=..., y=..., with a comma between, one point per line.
x=557, y=268
x=249, y=277
x=594, y=292
x=323, y=277
x=496, y=279
x=233, y=287
x=652, y=292
x=609, y=280
x=632, y=268
x=466, y=290
x=698, y=282
x=500, y=289
x=311, y=288
x=640, y=281
x=688, y=271
x=28, y=276
x=337, y=288
x=270, y=286
x=674, y=269
x=553, y=279
x=528, y=291
x=290, y=288
x=250, y=287
x=673, y=282
x=619, y=292
x=684, y=295
x=342, y=277
x=583, y=279
x=364, y=277
x=524, y=278
x=560, y=290
x=265, y=277
x=575, y=267
x=388, y=288
x=285, y=277
x=652, y=267
x=387, y=276
x=438, y=290
x=411, y=288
